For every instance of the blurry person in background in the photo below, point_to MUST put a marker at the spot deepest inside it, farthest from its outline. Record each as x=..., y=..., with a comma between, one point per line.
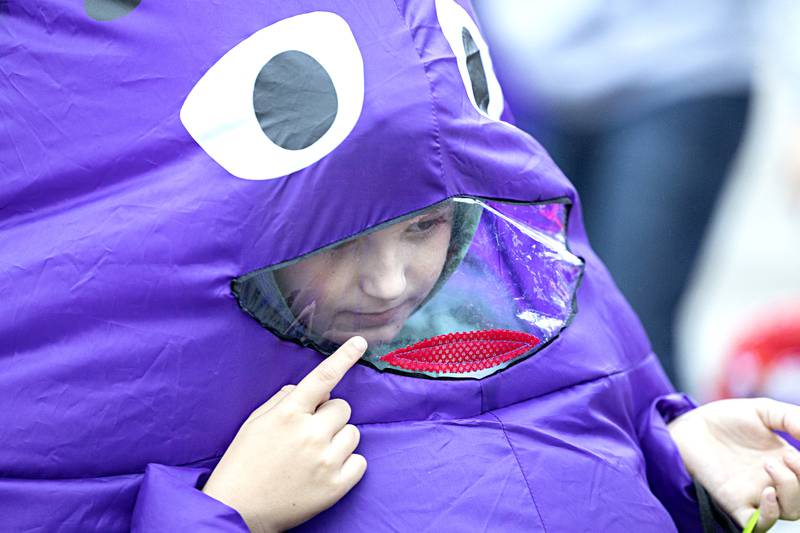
x=738, y=329
x=642, y=104
x=739, y=326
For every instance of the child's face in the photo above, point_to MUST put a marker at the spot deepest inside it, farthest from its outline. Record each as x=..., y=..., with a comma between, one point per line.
x=369, y=286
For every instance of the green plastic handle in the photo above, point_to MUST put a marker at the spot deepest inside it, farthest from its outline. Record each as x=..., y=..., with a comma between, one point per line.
x=751, y=524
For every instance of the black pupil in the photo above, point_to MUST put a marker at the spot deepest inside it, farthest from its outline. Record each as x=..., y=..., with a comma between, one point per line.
x=294, y=100
x=477, y=75
x=105, y=10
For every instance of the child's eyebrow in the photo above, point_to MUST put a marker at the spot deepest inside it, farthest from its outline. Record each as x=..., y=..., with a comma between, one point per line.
x=437, y=210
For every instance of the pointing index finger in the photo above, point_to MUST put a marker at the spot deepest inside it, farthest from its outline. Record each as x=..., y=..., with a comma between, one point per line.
x=317, y=385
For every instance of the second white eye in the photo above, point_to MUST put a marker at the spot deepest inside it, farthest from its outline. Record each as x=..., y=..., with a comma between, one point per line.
x=472, y=55
x=280, y=100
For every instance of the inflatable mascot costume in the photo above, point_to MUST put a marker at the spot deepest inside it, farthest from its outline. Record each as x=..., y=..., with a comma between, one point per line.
x=177, y=179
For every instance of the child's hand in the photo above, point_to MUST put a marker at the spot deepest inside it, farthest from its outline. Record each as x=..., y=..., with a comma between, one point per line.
x=730, y=448
x=293, y=457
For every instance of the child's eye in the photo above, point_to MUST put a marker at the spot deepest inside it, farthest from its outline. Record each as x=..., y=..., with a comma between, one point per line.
x=425, y=225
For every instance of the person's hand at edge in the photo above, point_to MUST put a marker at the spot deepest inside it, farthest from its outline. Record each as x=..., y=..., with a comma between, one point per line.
x=731, y=448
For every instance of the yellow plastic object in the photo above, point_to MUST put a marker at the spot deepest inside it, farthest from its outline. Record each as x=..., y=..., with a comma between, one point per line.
x=751, y=524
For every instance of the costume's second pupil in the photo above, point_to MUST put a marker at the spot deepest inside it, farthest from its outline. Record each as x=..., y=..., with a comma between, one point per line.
x=477, y=74
x=294, y=100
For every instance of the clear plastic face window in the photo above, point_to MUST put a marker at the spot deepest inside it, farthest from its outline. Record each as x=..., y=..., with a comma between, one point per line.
x=462, y=289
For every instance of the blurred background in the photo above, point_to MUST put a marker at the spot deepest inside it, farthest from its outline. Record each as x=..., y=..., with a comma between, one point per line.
x=679, y=124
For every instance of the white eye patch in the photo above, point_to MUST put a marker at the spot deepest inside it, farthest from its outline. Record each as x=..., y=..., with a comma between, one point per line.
x=280, y=100
x=472, y=55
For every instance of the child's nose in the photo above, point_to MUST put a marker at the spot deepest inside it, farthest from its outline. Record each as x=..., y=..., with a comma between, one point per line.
x=382, y=273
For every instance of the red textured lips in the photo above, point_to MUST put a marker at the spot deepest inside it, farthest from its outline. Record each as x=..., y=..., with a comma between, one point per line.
x=459, y=353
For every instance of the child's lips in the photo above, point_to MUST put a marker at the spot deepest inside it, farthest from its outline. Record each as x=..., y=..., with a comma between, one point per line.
x=374, y=320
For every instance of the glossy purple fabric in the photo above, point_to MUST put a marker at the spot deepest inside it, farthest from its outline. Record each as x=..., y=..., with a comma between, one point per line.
x=126, y=366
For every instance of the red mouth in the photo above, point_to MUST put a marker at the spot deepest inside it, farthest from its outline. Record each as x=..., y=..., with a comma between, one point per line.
x=459, y=353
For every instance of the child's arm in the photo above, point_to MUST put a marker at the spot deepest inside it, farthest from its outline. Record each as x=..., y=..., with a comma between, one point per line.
x=730, y=447
x=291, y=459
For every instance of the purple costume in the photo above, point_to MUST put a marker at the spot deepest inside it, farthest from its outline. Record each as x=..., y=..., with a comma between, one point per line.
x=126, y=362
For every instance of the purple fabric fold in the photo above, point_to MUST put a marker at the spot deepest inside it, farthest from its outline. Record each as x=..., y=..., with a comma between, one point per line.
x=169, y=500
x=666, y=473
